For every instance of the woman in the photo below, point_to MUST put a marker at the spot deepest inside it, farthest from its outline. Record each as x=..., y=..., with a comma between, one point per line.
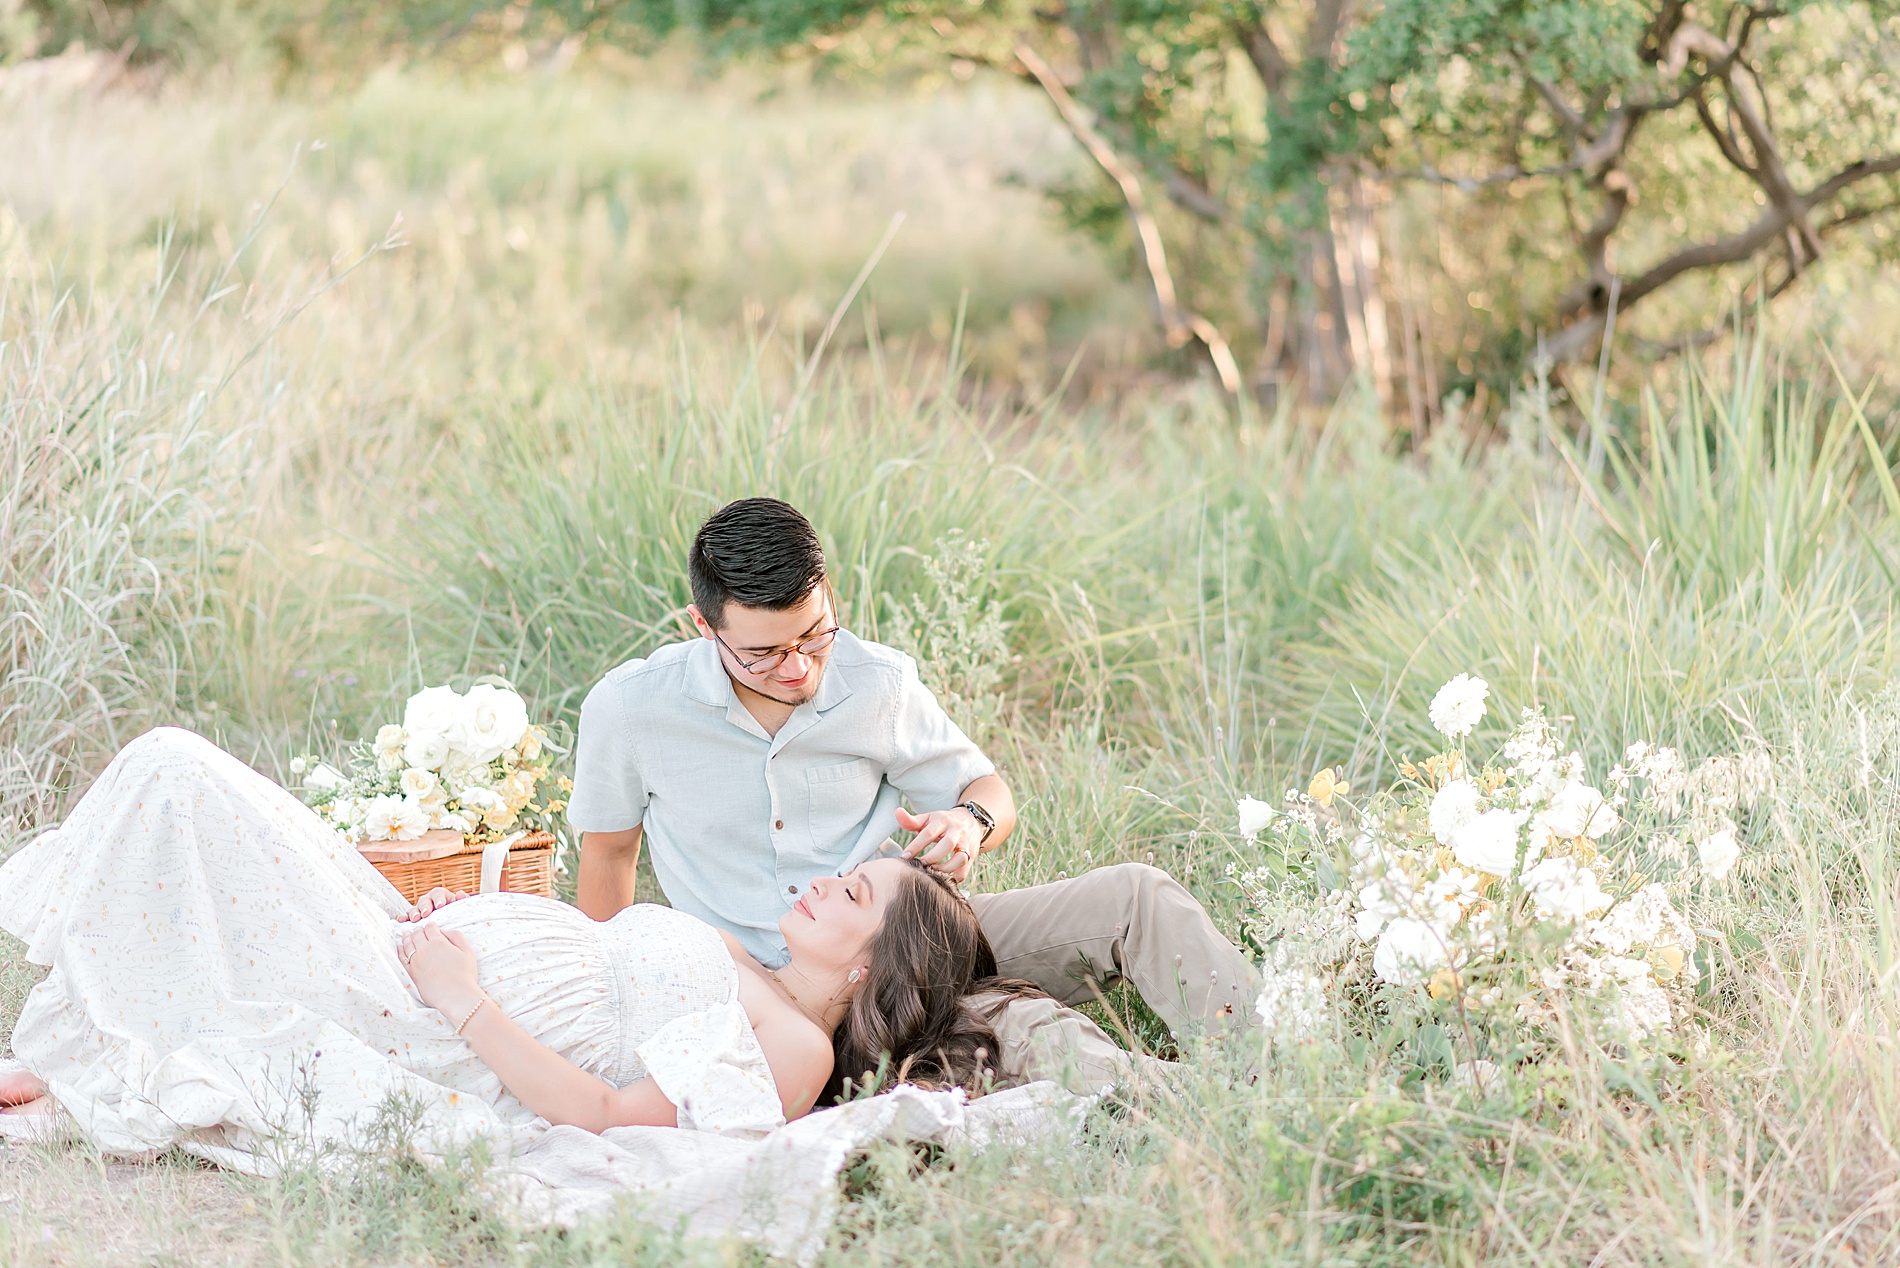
x=228, y=972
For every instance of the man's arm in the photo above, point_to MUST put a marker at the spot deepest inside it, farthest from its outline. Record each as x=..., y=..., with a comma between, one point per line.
x=608, y=861
x=949, y=840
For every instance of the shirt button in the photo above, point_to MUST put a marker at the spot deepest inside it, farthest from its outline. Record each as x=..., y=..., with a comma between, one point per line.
x=791, y=889
x=778, y=825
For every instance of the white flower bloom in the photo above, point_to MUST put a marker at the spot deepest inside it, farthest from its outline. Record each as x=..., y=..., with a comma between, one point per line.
x=1459, y=706
x=1564, y=890
x=324, y=778
x=493, y=721
x=1485, y=1078
x=1453, y=806
x=1579, y=810
x=1635, y=922
x=489, y=805
x=426, y=749
x=1642, y=1006
x=1377, y=904
x=420, y=785
x=1409, y=951
x=1292, y=1006
x=434, y=711
x=1255, y=815
x=1718, y=852
x=388, y=746
x=298, y=765
x=394, y=819
x=530, y=746
x=1489, y=842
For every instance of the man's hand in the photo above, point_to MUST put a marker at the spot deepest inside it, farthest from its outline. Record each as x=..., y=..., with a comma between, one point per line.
x=947, y=840
x=433, y=901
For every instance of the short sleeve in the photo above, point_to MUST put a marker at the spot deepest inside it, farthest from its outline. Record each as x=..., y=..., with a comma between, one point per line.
x=932, y=760
x=610, y=792
x=710, y=1065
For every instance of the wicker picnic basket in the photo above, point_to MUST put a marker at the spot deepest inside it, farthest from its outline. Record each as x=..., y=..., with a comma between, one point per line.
x=444, y=857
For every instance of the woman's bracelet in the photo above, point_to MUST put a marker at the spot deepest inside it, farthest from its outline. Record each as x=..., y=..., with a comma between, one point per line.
x=470, y=1014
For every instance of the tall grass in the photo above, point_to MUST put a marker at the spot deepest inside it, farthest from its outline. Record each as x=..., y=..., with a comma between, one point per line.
x=270, y=492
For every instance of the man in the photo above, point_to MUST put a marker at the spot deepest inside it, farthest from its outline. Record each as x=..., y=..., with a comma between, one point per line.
x=777, y=746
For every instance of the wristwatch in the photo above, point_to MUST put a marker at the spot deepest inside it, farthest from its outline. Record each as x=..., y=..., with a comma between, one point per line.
x=983, y=817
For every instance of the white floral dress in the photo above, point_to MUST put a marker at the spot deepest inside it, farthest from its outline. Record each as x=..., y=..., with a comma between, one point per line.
x=224, y=977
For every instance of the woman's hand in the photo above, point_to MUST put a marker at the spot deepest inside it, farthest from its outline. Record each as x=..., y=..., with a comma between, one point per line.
x=442, y=964
x=433, y=901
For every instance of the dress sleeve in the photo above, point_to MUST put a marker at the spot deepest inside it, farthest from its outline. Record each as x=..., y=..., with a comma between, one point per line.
x=710, y=1065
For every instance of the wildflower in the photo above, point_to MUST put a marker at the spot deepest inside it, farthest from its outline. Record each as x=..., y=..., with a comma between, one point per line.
x=299, y=765
x=1718, y=851
x=1453, y=806
x=1292, y=1005
x=1326, y=785
x=1459, y=706
x=530, y=746
x=1409, y=951
x=1579, y=810
x=1489, y=842
x=1562, y=889
x=1254, y=815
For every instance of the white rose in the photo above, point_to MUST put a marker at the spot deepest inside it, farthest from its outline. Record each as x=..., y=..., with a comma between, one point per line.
x=1453, y=806
x=388, y=746
x=1562, y=889
x=1255, y=815
x=1459, y=706
x=493, y=721
x=1488, y=843
x=324, y=778
x=394, y=819
x=426, y=750
x=419, y=784
x=434, y=711
x=1409, y=951
x=461, y=771
x=1718, y=852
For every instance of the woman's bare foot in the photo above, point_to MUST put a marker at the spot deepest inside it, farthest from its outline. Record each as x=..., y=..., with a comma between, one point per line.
x=20, y=1088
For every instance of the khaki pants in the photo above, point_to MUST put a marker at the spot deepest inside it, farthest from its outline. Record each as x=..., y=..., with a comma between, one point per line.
x=1075, y=937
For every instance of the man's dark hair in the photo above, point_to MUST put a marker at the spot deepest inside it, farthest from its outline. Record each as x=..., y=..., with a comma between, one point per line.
x=756, y=552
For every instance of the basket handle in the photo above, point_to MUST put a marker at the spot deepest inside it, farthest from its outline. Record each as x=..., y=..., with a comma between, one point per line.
x=494, y=854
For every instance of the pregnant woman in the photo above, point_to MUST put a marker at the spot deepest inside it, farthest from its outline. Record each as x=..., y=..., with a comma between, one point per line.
x=227, y=972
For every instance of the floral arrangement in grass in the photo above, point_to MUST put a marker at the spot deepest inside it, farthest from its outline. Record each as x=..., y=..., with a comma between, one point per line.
x=1498, y=903
x=471, y=762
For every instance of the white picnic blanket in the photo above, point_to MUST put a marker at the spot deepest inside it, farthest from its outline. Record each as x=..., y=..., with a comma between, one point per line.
x=780, y=1192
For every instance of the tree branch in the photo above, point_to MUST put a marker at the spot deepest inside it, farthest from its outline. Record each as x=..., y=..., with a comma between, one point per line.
x=1179, y=324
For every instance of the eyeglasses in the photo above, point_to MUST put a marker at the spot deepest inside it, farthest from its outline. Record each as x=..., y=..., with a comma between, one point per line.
x=816, y=645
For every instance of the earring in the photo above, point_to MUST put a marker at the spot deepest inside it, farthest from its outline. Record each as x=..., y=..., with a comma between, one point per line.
x=853, y=975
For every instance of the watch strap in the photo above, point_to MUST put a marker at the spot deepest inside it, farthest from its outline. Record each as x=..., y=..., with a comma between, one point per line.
x=982, y=816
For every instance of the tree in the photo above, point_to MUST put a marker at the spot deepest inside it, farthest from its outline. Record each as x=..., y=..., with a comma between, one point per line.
x=1617, y=150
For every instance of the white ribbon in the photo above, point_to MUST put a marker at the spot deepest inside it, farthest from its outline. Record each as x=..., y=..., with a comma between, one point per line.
x=494, y=854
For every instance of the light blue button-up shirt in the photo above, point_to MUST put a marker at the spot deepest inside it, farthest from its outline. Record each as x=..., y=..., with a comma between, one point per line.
x=737, y=822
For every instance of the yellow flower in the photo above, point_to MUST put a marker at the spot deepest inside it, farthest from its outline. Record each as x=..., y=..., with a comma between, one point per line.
x=1666, y=963
x=1444, y=984
x=1327, y=785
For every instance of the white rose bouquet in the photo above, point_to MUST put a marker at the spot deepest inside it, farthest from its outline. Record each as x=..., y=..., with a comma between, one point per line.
x=1490, y=901
x=471, y=762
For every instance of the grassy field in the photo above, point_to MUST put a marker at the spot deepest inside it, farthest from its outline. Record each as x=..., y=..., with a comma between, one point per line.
x=273, y=459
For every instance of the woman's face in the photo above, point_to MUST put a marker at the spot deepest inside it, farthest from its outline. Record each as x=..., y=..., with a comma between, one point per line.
x=833, y=924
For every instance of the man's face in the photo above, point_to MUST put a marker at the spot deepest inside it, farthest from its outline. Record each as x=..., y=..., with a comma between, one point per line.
x=749, y=634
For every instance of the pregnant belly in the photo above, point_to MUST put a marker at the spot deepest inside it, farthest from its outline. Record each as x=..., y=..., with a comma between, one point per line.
x=542, y=961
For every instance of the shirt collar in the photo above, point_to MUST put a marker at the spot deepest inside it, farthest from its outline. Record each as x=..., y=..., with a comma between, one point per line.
x=707, y=680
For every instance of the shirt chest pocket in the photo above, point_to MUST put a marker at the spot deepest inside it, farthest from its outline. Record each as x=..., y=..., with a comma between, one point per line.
x=842, y=795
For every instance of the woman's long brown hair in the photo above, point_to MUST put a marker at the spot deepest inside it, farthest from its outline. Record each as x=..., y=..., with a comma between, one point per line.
x=912, y=1020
